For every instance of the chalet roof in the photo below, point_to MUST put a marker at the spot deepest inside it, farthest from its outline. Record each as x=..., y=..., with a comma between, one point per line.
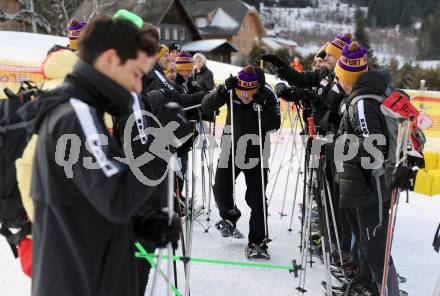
x=234, y=8
x=277, y=42
x=208, y=45
x=152, y=11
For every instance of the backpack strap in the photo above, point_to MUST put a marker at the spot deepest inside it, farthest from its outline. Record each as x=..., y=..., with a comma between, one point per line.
x=377, y=173
x=356, y=99
x=348, y=112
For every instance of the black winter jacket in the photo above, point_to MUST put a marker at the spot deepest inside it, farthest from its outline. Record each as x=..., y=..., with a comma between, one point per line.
x=246, y=119
x=205, y=79
x=82, y=232
x=328, y=95
x=155, y=80
x=358, y=187
x=12, y=144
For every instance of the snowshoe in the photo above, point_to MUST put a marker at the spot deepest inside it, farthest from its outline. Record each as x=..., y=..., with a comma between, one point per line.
x=227, y=229
x=403, y=293
x=256, y=251
x=237, y=234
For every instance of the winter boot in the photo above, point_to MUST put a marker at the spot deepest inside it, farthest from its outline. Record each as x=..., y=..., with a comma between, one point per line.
x=227, y=229
x=257, y=251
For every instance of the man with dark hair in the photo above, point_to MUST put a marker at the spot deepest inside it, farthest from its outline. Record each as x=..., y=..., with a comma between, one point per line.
x=84, y=199
x=174, y=48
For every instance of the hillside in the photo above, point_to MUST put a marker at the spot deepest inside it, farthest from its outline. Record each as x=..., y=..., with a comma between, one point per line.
x=312, y=26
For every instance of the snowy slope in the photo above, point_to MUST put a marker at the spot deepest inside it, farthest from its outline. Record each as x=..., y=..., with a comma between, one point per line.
x=313, y=26
x=328, y=16
x=412, y=249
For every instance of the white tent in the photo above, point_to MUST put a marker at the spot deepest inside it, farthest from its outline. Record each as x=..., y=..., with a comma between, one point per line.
x=27, y=47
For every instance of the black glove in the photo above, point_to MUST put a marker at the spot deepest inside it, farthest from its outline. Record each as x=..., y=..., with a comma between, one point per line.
x=274, y=60
x=259, y=99
x=261, y=78
x=283, y=91
x=173, y=112
x=231, y=82
x=156, y=229
x=402, y=177
x=223, y=92
x=413, y=160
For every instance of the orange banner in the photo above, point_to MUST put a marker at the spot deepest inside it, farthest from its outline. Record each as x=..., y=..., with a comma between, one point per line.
x=13, y=73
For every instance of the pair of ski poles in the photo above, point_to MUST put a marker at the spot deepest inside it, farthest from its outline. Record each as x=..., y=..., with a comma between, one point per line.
x=258, y=108
x=403, y=135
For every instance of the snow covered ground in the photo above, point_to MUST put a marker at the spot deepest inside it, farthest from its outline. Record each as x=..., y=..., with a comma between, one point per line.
x=412, y=251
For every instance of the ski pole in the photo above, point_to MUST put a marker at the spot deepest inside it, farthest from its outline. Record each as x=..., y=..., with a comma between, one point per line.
x=402, y=142
x=290, y=163
x=282, y=214
x=172, y=166
x=202, y=159
x=263, y=191
x=192, y=107
x=231, y=101
x=154, y=265
x=191, y=215
x=210, y=166
x=332, y=211
x=296, y=190
x=279, y=136
x=281, y=165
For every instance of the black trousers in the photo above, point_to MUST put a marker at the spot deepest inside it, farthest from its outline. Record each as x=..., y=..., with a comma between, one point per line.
x=143, y=266
x=342, y=225
x=373, y=243
x=223, y=197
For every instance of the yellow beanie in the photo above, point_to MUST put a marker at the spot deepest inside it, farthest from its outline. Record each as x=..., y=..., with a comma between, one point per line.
x=334, y=47
x=184, y=61
x=75, y=28
x=162, y=51
x=352, y=63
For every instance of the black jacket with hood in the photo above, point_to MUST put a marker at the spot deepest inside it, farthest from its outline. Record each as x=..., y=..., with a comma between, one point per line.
x=155, y=80
x=358, y=187
x=82, y=231
x=246, y=119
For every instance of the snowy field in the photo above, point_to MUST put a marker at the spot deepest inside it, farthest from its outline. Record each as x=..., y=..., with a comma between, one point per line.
x=414, y=257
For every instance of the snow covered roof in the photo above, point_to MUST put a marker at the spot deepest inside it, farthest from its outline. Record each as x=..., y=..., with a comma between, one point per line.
x=222, y=71
x=276, y=42
x=427, y=64
x=207, y=45
x=270, y=42
x=29, y=47
x=286, y=41
x=223, y=20
x=230, y=11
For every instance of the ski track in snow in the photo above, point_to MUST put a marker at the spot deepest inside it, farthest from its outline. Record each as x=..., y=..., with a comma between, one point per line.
x=412, y=251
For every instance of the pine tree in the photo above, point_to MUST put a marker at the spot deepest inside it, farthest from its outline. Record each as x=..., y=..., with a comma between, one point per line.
x=429, y=39
x=255, y=55
x=361, y=36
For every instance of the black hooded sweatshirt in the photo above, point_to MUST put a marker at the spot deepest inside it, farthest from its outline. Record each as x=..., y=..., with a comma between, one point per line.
x=82, y=233
x=358, y=187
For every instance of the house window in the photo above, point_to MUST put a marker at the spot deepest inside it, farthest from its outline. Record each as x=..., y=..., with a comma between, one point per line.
x=175, y=34
x=167, y=34
x=182, y=34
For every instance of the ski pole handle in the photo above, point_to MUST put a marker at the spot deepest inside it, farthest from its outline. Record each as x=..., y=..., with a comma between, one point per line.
x=312, y=131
